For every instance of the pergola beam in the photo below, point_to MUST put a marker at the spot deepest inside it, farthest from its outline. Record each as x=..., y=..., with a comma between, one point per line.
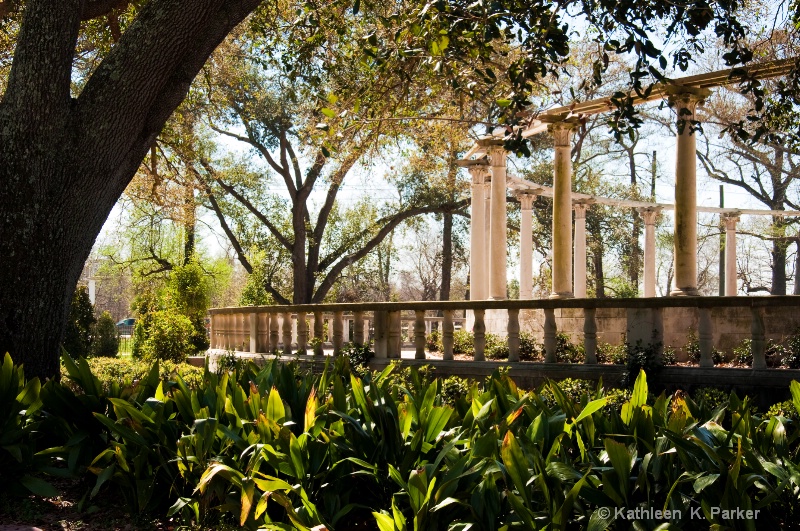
x=660, y=91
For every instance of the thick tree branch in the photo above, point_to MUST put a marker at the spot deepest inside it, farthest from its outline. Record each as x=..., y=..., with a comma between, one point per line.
x=249, y=206
x=389, y=224
x=227, y=230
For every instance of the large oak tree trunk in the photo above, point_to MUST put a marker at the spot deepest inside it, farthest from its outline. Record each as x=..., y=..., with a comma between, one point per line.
x=65, y=161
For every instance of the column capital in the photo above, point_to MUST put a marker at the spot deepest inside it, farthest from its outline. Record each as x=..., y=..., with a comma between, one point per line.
x=562, y=132
x=730, y=219
x=687, y=98
x=649, y=214
x=479, y=174
x=526, y=200
x=580, y=207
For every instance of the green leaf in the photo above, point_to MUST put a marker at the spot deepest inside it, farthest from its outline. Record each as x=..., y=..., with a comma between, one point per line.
x=794, y=387
x=516, y=464
x=590, y=408
x=503, y=102
x=330, y=113
x=384, y=521
x=275, y=410
x=39, y=487
x=704, y=481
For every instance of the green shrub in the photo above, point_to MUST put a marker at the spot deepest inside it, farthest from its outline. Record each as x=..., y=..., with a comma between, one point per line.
x=775, y=353
x=130, y=371
x=529, y=349
x=641, y=357
x=105, y=338
x=669, y=355
x=452, y=388
x=792, y=357
x=711, y=397
x=433, y=342
x=692, y=347
x=167, y=336
x=784, y=409
x=608, y=353
x=462, y=342
x=568, y=352
x=78, y=333
x=496, y=347
x=743, y=354
x=358, y=356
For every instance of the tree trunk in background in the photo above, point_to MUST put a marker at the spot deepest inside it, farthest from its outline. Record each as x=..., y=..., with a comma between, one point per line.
x=779, y=248
x=447, y=256
x=189, y=222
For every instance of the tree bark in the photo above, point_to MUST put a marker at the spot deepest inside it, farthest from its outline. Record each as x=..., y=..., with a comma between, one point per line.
x=64, y=166
x=447, y=256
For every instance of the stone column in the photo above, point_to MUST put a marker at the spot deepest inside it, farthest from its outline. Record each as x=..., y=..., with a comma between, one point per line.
x=684, y=101
x=526, y=245
x=649, y=215
x=487, y=211
x=580, y=249
x=730, y=254
x=562, y=210
x=497, y=222
x=477, y=232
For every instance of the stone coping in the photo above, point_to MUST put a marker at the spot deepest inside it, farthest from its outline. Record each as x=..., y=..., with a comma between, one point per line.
x=516, y=304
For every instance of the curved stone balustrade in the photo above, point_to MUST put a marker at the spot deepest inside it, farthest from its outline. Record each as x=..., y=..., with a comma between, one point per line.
x=390, y=326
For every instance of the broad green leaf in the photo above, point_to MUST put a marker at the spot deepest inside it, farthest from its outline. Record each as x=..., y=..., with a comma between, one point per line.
x=516, y=464
x=384, y=521
x=590, y=408
x=39, y=487
x=330, y=113
x=704, y=481
x=794, y=387
x=275, y=410
x=248, y=493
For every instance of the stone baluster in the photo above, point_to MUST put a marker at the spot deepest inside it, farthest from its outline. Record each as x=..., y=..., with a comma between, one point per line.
x=262, y=345
x=381, y=326
x=254, y=331
x=358, y=328
x=287, y=332
x=590, y=335
x=705, y=337
x=319, y=328
x=419, y=334
x=758, y=342
x=238, y=331
x=549, y=335
x=338, y=332
x=394, y=336
x=513, y=335
x=479, y=333
x=447, y=335
x=273, y=332
x=302, y=332
x=225, y=331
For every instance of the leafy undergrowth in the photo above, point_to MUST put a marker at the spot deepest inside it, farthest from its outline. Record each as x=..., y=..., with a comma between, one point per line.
x=273, y=448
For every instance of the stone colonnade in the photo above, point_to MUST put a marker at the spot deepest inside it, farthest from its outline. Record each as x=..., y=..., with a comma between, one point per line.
x=489, y=218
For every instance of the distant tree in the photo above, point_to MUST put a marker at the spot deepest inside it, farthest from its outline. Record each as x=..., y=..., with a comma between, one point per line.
x=78, y=335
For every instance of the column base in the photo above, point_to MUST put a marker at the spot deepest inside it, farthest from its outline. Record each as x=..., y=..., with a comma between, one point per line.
x=684, y=292
x=496, y=299
x=562, y=295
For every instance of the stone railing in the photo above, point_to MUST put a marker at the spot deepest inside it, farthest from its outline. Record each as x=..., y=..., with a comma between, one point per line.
x=302, y=328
